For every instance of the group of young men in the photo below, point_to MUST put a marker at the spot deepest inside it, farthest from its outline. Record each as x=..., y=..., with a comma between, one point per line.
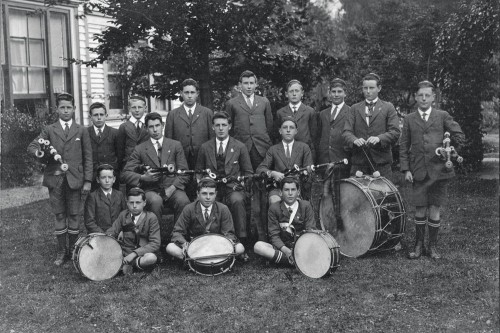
x=165, y=165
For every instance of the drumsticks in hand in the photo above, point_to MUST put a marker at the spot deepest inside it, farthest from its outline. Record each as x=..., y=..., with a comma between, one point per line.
x=375, y=174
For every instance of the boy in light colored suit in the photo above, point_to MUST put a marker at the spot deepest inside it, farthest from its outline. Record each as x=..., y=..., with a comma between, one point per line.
x=423, y=132
x=66, y=188
x=372, y=125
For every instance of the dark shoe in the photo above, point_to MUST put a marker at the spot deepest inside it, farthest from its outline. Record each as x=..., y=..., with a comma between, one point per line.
x=417, y=252
x=244, y=257
x=60, y=259
x=127, y=269
x=433, y=233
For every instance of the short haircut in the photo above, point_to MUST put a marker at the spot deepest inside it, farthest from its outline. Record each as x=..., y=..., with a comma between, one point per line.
x=190, y=82
x=135, y=191
x=290, y=180
x=372, y=77
x=288, y=118
x=207, y=182
x=136, y=98
x=338, y=83
x=97, y=105
x=221, y=115
x=65, y=97
x=292, y=82
x=248, y=74
x=104, y=167
x=425, y=84
x=152, y=116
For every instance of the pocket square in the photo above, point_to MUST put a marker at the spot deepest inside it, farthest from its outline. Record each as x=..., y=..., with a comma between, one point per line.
x=235, y=162
x=77, y=139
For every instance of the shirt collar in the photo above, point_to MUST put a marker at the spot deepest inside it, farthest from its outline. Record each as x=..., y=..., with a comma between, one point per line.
x=97, y=129
x=289, y=144
x=224, y=142
x=63, y=123
x=187, y=108
x=339, y=107
x=374, y=101
x=294, y=206
x=134, y=120
x=296, y=106
x=109, y=191
x=137, y=218
x=154, y=141
x=249, y=97
x=428, y=112
x=203, y=209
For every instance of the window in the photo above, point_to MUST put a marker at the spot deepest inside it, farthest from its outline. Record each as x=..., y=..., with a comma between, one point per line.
x=115, y=90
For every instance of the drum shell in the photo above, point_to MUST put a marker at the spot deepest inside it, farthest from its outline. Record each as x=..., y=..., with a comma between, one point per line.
x=210, y=245
x=316, y=254
x=97, y=257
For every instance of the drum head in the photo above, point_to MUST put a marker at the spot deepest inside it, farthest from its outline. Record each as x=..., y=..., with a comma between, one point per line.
x=210, y=245
x=312, y=255
x=359, y=220
x=100, y=258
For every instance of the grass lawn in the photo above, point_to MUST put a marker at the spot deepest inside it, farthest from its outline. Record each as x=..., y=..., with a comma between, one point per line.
x=381, y=293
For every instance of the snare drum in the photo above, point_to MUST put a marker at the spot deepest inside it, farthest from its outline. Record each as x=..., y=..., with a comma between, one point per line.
x=373, y=216
x=316, y=254
x=97, y=257
x=210, y=254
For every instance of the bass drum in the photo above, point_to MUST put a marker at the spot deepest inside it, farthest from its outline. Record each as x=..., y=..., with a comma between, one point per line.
x=373, y=216
x=97, y=257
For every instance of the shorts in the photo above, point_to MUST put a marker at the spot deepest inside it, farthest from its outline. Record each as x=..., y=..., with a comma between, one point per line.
x=430, y=192
x=65, y=200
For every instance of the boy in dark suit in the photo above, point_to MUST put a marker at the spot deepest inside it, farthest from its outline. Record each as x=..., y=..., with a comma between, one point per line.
x=284, y=156
x=66, y=188
x=205, y=215
x=286, y=220
x=304, y=115
x=423, y=132
x=157, y=152
x=372, y=126
x=133, y=131
x=141, y=233
x=104, y=140
x=229, y=159
x=104, y=204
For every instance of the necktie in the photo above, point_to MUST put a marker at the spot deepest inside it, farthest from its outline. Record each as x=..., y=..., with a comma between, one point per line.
x=294, y=109
x=288, y=155
x=138, y=126
x=206, y=215
x=249, y=102
x=99, y=133
x=290, y=210
x=66, y=129
x=158, y=151
x=133, y=219
x=108, y=196
x=423, y=116
x=334, y=113
x=221, y=150
x=190, y=113
x=369, y=113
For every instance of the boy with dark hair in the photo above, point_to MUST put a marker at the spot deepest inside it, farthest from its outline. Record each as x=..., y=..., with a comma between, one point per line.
x=205, y=215
x=66, y=188
x=371, y=128
x=104, y=140
x=423, y=133
x=304, y=115
x=133, y=131
x=104, y=204
x=286, y=220
x=141, y=233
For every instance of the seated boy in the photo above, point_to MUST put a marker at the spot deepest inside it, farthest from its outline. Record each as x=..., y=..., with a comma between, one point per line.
x=104, y=204
x=286, y=220
x=141, y=233
x=203, y=216
x=284, y=156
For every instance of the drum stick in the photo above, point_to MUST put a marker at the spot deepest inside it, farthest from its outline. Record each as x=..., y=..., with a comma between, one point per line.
x=376, y=174
x=214, y=256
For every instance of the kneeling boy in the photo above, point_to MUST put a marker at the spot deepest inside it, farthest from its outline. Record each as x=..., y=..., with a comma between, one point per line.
x=286, y=220
x=141, y=232
x=203, y=216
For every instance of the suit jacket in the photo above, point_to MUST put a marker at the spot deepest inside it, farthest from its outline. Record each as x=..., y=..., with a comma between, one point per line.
x=237, y=162
x=419, y=140
x=141, y=238
x=145, y=153
x=276, y=158
x=128, y=138
x=307, y=123
x=251, y=126
x=104, y=149
x=384, y=124
x=75, y=150
x=191, y=134
x=332, y=147
x=278, y=213
x=191, y=223
x=100, y=213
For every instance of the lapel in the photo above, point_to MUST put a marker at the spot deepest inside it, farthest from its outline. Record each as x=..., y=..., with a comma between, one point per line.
x=229, y=153
x=103, y=198
x=432, y=118
x=244, y=105
x=300, y=112
x=183, y=114
x=342, y=113
x=361, y=111
x=282, y=155
x=151, y=152
x=212, y=151
x=295, y=154
x=140, y=223
x=199, y=213
x=165, y=151
x=196, y=114
x=92, y=134
x=131, y=129
x=104, y=134
x=284, y=211
x=73, y=130
x=376, y=111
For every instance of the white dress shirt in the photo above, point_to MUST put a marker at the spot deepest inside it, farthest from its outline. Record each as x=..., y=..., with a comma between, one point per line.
x=339, y=107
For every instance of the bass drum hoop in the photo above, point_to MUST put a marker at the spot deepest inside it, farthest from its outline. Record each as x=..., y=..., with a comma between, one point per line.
x=215, y=266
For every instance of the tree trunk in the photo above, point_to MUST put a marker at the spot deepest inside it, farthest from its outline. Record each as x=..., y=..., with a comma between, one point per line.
x=206, y=96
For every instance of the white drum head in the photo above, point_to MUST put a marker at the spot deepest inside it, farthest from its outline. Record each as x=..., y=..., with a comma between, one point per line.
x=210, y=245
x=312, y=255
x=100, y=258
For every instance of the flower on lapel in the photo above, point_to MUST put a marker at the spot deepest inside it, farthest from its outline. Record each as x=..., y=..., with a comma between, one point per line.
x=232, y=150
x=165, y=165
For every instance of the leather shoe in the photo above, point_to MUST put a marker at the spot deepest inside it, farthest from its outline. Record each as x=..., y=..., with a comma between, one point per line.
x=60, y=259
x=244, y=257
x=127, y=269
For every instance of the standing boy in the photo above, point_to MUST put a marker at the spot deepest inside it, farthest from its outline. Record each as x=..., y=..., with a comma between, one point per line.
x=103, y=205
x=66, y=188
x=304, y=115
x=104, y=140
x=371, y=128
x=423, y=132
x=141, y=233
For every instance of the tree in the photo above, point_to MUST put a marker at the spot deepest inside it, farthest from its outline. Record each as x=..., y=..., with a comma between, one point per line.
x=213, y=41
x=468, y=51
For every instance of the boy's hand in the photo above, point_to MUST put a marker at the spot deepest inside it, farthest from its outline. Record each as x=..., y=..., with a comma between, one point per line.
x=86, y=188
x=278, y=176
x=128, y=259
x=373, y=140
x=409, y=177
x=150, y=177
x=169, y=191
x=360, y=142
